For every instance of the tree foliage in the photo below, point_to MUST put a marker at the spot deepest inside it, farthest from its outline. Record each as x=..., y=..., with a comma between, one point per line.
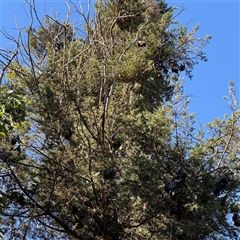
x=108, y=149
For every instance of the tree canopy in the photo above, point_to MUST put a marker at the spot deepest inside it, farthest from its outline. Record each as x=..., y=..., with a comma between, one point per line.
x=97, y=141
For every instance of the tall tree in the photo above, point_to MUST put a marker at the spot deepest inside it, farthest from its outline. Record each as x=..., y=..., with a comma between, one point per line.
x=108, y=150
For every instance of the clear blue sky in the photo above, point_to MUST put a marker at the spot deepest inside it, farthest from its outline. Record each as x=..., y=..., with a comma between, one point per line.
x=221, y=19
x=210, y=82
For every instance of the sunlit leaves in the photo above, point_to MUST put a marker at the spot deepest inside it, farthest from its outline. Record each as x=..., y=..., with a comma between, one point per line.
x=13, y=110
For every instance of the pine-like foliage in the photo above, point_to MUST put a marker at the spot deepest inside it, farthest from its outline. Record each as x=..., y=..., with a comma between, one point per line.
x=108, y=149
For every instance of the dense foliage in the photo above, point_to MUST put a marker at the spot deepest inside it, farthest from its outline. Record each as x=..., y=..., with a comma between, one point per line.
x=103, y=145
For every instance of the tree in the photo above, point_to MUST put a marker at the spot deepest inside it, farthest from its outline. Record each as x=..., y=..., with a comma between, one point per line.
x=108, y=149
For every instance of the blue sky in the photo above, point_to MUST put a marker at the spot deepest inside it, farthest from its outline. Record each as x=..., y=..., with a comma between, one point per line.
x=221, y=20
x=210, y=82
